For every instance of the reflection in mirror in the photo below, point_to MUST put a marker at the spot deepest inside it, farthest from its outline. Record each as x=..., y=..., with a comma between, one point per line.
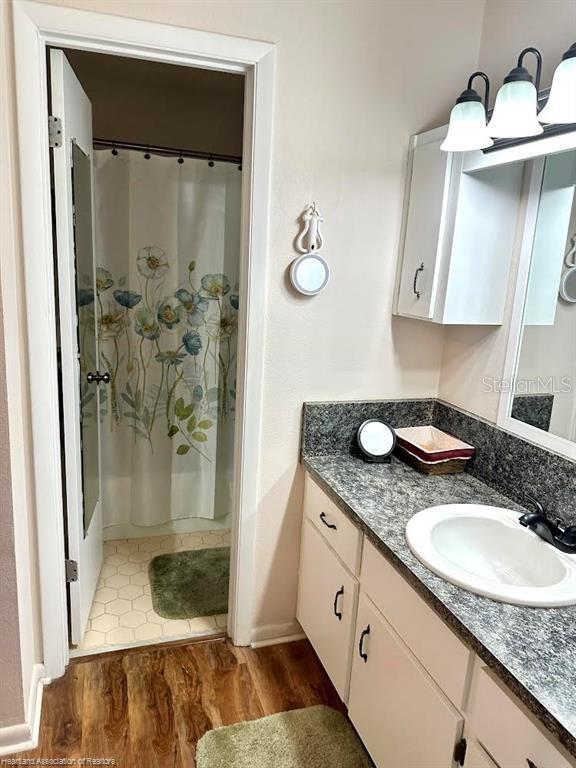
x=85, y=293
x=544, y=395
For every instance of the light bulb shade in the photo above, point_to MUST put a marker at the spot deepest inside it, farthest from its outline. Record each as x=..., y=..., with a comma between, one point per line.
x=467, y=129
x=515, y=110
x=561, y=104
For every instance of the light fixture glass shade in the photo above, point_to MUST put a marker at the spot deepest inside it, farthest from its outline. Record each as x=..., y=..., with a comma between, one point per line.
x=515, y=110
x=561, y=104
x=467, y=129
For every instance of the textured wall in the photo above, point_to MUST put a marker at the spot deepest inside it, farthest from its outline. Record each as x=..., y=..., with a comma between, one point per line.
x=509, y=26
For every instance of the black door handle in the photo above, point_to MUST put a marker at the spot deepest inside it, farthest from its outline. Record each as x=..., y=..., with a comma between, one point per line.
x=326, y=523
x=338, y=613
x=361, y=643
x=98, y=378
x=530, y=763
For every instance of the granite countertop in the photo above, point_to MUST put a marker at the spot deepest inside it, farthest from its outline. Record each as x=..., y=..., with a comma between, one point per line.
x=533, y=650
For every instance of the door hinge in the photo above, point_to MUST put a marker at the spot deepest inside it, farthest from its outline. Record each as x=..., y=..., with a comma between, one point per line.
x=71, y=567
x=460, y=752
x=54, y=131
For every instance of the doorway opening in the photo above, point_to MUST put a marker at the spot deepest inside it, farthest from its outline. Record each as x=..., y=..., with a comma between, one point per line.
x=154, y=268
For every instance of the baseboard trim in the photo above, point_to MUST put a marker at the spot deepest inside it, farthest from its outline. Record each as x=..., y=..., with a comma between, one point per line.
x=17, y=738
x=273, y=634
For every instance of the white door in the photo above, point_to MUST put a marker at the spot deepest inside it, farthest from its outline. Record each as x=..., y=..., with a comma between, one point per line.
x=78, y=338
x=327, y=598
x=401, y=715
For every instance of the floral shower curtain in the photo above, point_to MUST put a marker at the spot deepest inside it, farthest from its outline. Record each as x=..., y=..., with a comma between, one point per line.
x=167, y=244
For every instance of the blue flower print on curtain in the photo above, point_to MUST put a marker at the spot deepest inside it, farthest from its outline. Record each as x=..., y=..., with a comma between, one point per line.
x=171, y=354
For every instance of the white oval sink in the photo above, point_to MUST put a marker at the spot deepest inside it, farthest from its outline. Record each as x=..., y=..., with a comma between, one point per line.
x=486, y=551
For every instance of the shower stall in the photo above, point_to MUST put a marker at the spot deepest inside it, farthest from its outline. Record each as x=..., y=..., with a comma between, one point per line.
x=166, y=304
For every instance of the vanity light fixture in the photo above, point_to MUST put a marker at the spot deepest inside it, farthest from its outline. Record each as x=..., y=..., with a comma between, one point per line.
x=516, y=107
x=467, y=129
x=561, y=105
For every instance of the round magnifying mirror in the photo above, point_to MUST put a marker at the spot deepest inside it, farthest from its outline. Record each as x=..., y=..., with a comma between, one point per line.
x=376, y=440
x=309, y=273
x=568, y=285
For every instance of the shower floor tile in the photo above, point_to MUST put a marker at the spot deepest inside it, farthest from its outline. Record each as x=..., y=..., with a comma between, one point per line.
x=122, y=613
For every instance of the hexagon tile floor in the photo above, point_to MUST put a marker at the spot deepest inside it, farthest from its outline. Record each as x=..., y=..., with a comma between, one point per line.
x=122, y=613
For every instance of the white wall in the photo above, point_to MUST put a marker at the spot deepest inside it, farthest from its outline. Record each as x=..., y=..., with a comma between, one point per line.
x=20, y=638
x=509, y=26
x=354, y=80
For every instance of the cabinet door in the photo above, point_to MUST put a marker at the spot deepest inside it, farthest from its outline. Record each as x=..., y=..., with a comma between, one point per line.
x=423, y=238
x=477, y=757
x=401, y=715
x=327, y=600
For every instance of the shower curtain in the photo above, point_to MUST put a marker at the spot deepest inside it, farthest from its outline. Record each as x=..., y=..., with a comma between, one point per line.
x=167, y=245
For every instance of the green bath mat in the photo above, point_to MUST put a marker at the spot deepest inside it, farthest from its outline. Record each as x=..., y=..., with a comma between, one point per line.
x=188, y=584
x=315, y=737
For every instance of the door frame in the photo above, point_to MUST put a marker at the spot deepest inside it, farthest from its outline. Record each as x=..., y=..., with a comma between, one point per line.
x=36, y=26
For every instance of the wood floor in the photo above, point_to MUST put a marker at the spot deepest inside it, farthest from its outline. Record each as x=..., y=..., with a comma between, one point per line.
x=147, y=707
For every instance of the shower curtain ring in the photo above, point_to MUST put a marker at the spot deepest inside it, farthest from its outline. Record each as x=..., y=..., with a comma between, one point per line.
x=180, y=160
x=147, y=154
x=114, y=150
x=210, y=162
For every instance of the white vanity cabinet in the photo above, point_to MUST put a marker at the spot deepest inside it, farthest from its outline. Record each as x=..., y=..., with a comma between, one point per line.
x=327, y=599
x=458, y=234
x=417, y=695
x=328, y=583
x=401, y=715
x=506, y=730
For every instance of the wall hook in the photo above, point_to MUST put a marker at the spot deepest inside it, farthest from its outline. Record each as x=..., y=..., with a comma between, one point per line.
x=310, y=239
x=309, y=272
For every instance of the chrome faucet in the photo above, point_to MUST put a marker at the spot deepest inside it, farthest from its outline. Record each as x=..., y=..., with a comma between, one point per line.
x=561, y=537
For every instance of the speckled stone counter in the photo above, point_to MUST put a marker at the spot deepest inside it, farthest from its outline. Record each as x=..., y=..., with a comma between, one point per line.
x=533, y=650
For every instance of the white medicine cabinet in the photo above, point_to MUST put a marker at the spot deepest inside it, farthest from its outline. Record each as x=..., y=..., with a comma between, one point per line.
x=459, y=228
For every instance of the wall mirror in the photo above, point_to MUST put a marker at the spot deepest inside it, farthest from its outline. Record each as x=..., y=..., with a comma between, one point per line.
x=538, y=399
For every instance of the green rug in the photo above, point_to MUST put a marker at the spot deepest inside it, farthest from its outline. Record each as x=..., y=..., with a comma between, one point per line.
x=315, y=737
x=188, y=584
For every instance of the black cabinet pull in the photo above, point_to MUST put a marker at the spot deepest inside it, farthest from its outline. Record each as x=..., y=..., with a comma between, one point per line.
x=361, y=643
x=326, y=523
x=338, y=613
x=531, y=764
x=414, y=288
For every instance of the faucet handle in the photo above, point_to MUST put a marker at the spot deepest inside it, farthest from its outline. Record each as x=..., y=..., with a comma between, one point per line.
x=569, y=536
x=533, y=501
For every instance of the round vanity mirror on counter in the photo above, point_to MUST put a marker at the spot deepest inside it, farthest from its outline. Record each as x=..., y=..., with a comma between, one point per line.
x=376, y=440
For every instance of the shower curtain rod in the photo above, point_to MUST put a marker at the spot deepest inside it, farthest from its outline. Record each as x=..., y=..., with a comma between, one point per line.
x=167, y=151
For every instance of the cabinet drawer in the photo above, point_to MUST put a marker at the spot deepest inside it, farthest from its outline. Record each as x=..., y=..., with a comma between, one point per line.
x=507, y=731
x=402, y=716
x=443, y=654
x=342, y=535
x=327, y=602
